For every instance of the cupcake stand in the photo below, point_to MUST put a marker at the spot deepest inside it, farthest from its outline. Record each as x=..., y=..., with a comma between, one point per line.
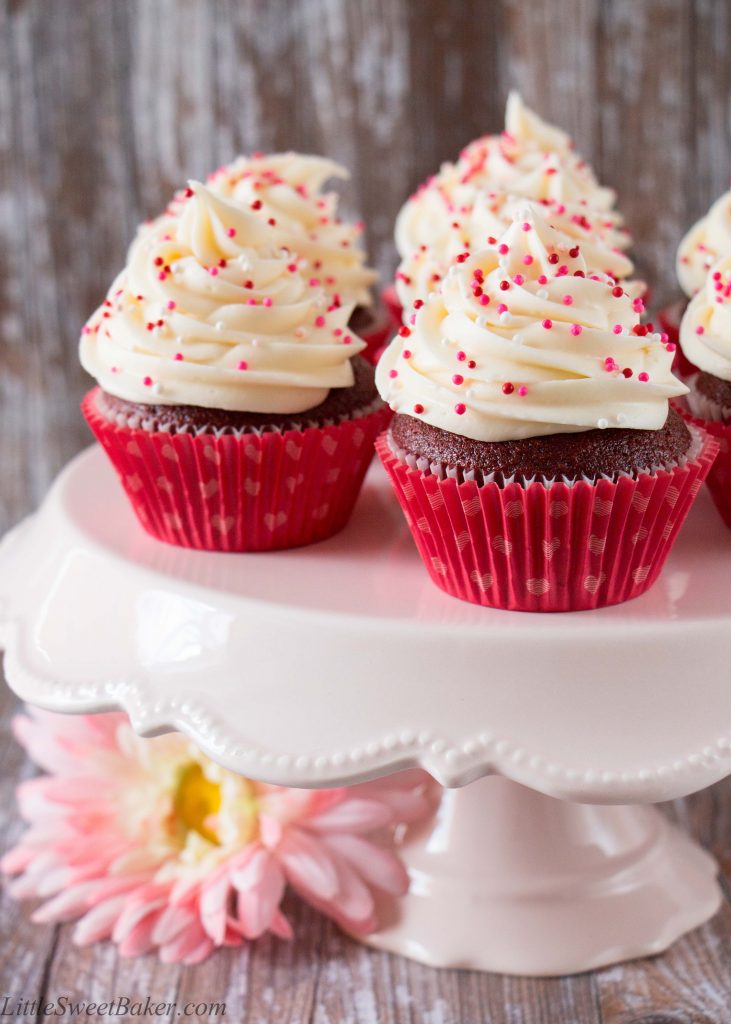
x=340, y=662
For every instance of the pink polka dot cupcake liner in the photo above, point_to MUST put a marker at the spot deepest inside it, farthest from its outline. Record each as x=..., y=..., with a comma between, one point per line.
x=710, y=417
x=553, y=547
x=240, y=492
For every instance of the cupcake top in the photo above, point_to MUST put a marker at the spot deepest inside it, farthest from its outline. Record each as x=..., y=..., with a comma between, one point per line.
x=284, y=190
x=524, y=338
x=213, y=311
x=708, y=239
x=705, y=330
x=476, y=197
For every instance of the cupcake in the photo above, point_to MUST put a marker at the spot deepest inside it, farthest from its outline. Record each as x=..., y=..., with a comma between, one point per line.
x=705, y=339
x=286, y=191
x=533, y=450
x=475, y=199
x=701, y=246
x=231, y=399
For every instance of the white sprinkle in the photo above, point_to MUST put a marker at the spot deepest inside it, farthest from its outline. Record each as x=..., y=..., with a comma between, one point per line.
x=505, y=317
x=157, y=331
x=481, y=321
x=243, y=261
x=518, y=339
x=602, y=424
x=219, y=325
x=157, y=389
x=621, y=419
x=179, y=340
x=320, y=301
x=254, y=342
x=542, y=293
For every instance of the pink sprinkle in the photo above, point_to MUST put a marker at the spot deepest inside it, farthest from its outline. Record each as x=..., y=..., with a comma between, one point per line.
x=575, y=329
x=638, y=306
x=457, y=379
x=347, y=339
x=147, y=381
x=526, y=226
x=461, y=356
x=292, y=267
x=700, y=330
x=542, y=279
x=162, y=275
x=213, y=271
x=171, y=304
x=178, y=356
x=406, y=354
x=527, y=260
x=320, y=321
x=503, y=249
x=518, y=279
x=502, y=308
x=522, y=390
x=314, y=282
x=267, y=301
x=548, y=324
x=393, y=373
x=671, y=346
x=242, y=365
x=568, y=300
x=617, y=329
x=231, y=232
x=643, y=377
x=460, y=408
x=484, y=300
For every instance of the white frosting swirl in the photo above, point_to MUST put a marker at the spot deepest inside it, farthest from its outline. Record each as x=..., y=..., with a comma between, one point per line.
x=709, y=238
x=211, y=311
x=524, y=338
x=475, y=197
x=705, y=330
x=287, y=187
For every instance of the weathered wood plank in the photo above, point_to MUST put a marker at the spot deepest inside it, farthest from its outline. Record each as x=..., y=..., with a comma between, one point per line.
x=104, y=109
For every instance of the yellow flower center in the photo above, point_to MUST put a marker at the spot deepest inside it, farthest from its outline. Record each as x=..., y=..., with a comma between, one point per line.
x=195, y=800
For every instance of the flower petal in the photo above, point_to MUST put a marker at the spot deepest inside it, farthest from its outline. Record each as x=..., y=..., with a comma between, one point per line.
x=307, y=863
x=352, y=815
x=377, y=866
x=256, y=906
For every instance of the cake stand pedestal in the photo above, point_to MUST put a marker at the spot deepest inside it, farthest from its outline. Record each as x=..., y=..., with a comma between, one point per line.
x=340, y=662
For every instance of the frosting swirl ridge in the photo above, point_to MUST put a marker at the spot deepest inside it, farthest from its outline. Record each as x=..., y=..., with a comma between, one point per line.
x=287, y=188
x=705, y=330
x=525, y=338
x=704, y=243
x=475, y=197
x=211, y=311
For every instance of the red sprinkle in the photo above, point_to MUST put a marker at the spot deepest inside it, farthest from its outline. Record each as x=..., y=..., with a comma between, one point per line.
x=418, y=408
x=508, y=388
x=404, y=331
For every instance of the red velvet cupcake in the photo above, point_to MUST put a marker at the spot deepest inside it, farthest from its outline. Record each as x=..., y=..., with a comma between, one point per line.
x=533, y=450
x=232, y=400
x=705, y=339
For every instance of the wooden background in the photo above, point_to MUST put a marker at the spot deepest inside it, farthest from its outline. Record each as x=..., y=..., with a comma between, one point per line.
x=105, y=107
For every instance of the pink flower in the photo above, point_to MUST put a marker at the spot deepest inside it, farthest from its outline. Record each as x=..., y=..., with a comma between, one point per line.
x=149, y=843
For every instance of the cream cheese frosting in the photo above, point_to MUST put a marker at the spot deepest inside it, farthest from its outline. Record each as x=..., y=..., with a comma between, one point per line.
x=288, y=189
x=475, y=197
x=525, y=338
x=705, y=330
x=704, y=243
x=213, y=310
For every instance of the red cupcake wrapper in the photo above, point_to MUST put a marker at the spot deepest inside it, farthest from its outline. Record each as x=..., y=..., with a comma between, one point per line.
x=247, y=492
x=719, y=478
x=555, y=548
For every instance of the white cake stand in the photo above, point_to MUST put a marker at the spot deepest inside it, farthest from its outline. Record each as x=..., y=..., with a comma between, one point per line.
x=342, y=661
